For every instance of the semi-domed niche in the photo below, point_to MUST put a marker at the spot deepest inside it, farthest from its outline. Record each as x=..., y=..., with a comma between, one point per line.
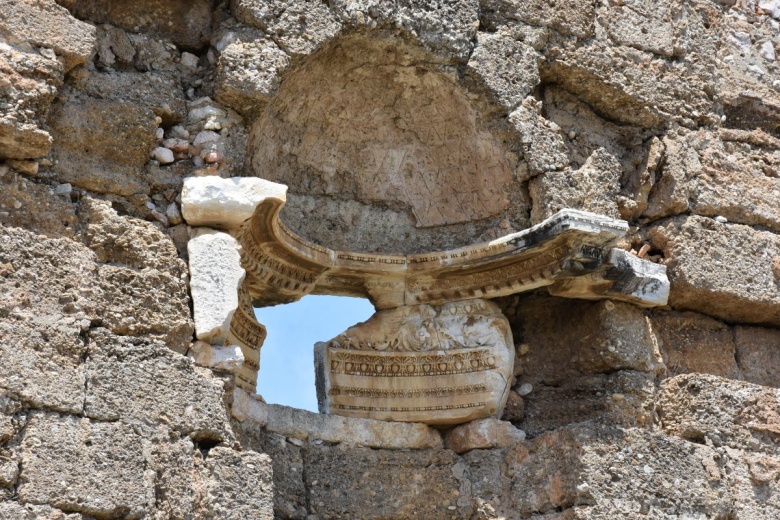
x=383, y=151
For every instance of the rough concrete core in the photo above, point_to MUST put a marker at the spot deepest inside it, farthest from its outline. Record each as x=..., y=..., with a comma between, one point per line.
x=379, y=140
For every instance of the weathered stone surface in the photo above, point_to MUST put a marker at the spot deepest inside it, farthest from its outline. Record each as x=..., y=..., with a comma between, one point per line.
x=593, y=187
x=48, y=25
x=225, y=203
x=507, y=67
x=308, y=426
x=40, y=209
x=398, y=170
x=542, y=145
x=186, y=22
x=153, y=90
x=437, y=365
x=79, y=465
x=290, y=494
x=723, y=412
x=186, y=398
x=592, y=471
x=447, y=29
x=425, y=479
x=758, y=355
x=723, y=270
x=104, y=151
x=299, y=27
x=28, y=86
x=249, y=74
x=483, y=434
x=692, y=342
x=566, y=16
x=133, y=308
x=10, y=510
x=180, y=478
x=215, y=274
x=240, y=485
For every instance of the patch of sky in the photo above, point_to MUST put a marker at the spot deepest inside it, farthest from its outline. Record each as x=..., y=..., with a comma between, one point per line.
x=287, y=357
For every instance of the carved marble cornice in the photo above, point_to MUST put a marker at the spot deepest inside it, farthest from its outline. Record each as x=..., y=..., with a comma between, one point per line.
x=570, y=252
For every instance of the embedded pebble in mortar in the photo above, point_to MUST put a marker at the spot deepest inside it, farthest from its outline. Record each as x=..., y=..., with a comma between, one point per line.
x=189, y=60
x=206, y=136
x=767, y=51
x=214, y=157
x=159, y=133
x=721, y=219
x=63, y=189
x=525, y=389
x=177, y=145
x=173, y=214
x=179, y=132
x=163, y=155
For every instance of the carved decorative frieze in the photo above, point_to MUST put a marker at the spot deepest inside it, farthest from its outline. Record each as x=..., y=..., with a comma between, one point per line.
x=435, y=364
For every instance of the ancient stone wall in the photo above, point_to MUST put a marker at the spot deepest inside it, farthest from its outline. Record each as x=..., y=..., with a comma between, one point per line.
x=399, y=127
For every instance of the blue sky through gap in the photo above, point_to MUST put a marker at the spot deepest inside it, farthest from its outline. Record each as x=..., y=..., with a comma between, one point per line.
x=287, y=358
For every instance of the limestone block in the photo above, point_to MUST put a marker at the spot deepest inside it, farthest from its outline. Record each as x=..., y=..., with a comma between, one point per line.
x=626, y=398
x=179, y=476
x=540, y=141
x=507, y=67
x=566, y=16
x=48, y=25
x=610, y=472
x=15, y=511
x=215, y=275
x=186, y=398
x=148, y=302
x=606, y=337
x=120, y=239
x=593, y=187
x=483, y=434
x=427, y=480
x=250, y=408
x=758, y=355
x=692, y=342
x=40, y=210
x=299, y=27
x=644, y=24
x=29, y=82
x=438, y=365
x=94, y=468
x=186, y=22
x=227, y=358
x=304, y=425
x=41, y=363
x=240, y=485
x=249, y=73
x=724, y=270
x=447, y=29
x=724, y=412
x=225, y=203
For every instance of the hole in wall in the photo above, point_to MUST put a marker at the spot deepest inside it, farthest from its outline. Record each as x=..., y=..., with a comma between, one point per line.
x=287, y=358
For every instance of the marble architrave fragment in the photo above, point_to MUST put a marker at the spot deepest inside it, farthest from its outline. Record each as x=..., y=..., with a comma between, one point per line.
x=445, y=364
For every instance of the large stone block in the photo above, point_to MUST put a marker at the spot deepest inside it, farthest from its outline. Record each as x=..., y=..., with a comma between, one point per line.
x=721, y=412
x=308, y=426
x=175, y=392
x=692, y=342
x=240, y=485
x=46, y=24
x=215, y=275
x=186, y=22
x=483, y=434
x=595, y=472
x=299, y=27
x=758, y=355
x=723, y=270
x=397, y=484
x=566, y=16
x=95, y=468
x=506, y=67
x=40, y=208
x=438, y=365
x=225, y=203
